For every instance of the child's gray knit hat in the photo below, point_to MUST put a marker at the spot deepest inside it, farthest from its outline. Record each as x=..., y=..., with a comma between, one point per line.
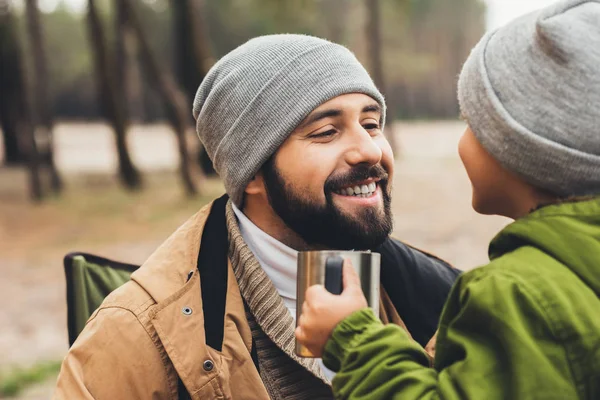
x=530, y=92
x=255, y=96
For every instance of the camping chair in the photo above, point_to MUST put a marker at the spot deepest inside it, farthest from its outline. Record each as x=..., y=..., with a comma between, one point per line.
x=89, y=280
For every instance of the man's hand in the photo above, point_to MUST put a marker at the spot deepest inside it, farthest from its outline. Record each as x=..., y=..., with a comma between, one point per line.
x=322, y=311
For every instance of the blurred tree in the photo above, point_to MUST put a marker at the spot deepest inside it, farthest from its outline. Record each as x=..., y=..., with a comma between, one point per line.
x=112, y=101
x=41, y=114
x=10, y=85
x=192, y=55
x=71, y=62
x=15, y=101
x=129, y=80
x=158, y=15
x=423, y=43
x=122, y=51
x=70, y=66
x=173, y=97
x=374, y=40
x=192, y=48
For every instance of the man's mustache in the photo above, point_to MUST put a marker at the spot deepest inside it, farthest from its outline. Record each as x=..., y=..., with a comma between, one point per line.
x=355, y=175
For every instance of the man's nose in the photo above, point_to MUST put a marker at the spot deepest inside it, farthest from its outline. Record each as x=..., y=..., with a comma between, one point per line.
x=364, y=149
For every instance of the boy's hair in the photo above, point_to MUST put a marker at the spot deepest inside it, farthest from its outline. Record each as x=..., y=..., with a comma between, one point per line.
x=530, y=92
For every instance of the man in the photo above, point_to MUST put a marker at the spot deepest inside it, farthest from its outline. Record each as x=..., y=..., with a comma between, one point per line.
x=294, y=127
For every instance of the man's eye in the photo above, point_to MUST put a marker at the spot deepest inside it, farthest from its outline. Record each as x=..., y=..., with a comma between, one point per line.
x=325, y=134
x=370, y=127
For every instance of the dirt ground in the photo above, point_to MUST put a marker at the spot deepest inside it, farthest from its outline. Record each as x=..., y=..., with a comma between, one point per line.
x=431, y=206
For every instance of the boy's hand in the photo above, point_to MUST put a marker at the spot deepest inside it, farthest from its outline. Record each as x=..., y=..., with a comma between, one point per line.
x=322, y=311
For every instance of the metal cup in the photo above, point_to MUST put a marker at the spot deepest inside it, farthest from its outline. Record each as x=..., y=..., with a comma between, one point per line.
x=325, y=268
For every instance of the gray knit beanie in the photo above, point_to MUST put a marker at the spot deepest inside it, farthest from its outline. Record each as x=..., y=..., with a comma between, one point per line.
x=255, y=96
x=530, y=92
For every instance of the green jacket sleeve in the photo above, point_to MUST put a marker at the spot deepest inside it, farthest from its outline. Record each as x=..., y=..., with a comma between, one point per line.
x=494, y=342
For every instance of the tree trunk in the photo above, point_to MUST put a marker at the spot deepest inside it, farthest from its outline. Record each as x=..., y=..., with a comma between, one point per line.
x=172, y=95
x=12, y=153
x=111, y=101
x=128, y=73
x=121, y=50
x=192, y=55
x=24, y=129
x=374, y=39
x=33, y=158
x=40, y=109
x=10, y=87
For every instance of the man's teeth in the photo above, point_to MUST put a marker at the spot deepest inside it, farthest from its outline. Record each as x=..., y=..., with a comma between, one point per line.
x=359, y=191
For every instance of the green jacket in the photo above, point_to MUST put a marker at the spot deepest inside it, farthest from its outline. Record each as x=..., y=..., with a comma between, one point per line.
x=526, y=326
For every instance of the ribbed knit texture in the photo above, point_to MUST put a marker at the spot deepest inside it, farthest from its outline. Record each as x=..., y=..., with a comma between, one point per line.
x=530, y=92
x=283, y=378
x=256, y=95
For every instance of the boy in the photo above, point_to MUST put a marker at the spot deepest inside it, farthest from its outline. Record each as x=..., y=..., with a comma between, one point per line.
x=527, y=325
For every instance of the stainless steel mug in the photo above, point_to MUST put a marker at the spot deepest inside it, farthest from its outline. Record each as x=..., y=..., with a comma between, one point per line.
x=324, y=268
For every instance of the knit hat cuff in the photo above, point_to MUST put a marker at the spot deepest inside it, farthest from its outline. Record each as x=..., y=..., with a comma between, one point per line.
x=560, y=169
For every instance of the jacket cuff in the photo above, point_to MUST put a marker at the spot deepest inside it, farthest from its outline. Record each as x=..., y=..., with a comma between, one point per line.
x=347, y=334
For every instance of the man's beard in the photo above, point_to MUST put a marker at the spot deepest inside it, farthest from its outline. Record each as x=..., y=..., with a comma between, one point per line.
x=326, y=225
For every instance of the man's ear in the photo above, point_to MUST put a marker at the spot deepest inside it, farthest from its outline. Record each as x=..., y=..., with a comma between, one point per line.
x=256, y=185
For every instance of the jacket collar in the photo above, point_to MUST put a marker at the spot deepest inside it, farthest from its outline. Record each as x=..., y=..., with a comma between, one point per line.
x=169, y=267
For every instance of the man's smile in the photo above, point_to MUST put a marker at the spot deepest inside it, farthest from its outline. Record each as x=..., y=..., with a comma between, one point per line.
x=363, y=193
x=365, y=188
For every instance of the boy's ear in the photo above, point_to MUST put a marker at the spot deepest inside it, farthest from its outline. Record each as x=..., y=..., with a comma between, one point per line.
x=256, y=185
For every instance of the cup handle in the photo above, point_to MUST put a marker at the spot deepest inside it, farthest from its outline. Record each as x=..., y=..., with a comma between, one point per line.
x=333, y=274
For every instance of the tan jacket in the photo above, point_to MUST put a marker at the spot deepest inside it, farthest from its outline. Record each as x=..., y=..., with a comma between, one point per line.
x=150, y=331
x=140, y=340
